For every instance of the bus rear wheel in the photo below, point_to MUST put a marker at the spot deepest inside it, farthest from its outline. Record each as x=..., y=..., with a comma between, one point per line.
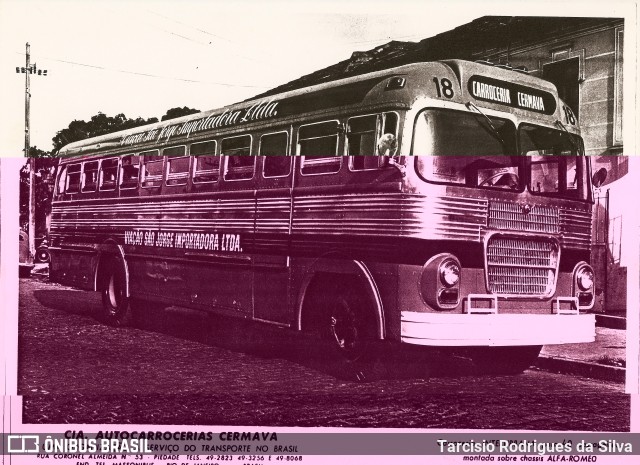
x=42, y=255
x=116, y=306
x=341, y=324
x=505, y=360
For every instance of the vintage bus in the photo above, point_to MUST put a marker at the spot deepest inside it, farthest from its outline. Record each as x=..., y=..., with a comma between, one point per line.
x=444, y=204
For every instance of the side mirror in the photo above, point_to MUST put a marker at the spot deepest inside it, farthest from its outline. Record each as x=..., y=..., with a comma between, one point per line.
x=599, y=177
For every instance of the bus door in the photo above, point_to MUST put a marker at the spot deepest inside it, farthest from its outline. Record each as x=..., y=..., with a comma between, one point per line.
x=229, y=276
x=273, y=221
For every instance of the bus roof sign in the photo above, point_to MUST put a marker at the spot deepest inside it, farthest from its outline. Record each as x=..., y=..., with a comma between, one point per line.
x=511, y=94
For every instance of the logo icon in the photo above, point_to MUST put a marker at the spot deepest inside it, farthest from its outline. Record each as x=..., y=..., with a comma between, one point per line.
x=23, y=443
x=526, y=208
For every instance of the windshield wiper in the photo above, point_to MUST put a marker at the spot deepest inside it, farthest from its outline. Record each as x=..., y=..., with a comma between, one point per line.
x=575, y=146
x=494, y=131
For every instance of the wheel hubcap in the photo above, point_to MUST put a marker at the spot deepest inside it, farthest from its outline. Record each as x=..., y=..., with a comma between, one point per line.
x=343, y=329
x=113, y=294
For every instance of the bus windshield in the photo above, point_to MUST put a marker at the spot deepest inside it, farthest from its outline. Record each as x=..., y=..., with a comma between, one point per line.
x=558, y=167
x=470, y=149
x=479, y=151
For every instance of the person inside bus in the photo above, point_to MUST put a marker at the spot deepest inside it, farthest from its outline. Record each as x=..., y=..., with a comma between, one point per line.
x=387, y=145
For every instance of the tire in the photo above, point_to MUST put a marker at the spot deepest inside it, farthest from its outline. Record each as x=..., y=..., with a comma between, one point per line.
x=116, y=307
x=344, y=329
x=42, y=255
x=505, y=360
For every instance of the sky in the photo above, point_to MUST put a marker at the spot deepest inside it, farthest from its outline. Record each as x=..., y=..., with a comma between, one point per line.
x=142, y=57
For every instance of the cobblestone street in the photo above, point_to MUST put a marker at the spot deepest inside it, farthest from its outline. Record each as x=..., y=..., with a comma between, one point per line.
x=188, y=369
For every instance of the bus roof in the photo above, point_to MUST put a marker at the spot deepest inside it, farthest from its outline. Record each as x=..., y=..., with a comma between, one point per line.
x=363, y=91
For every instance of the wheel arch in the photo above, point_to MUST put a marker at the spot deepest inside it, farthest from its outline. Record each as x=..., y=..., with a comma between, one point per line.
x=345, y=269
x=106, y=252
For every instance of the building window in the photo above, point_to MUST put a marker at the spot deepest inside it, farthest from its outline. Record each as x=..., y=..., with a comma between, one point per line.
x=565, y=74
x=617, y=109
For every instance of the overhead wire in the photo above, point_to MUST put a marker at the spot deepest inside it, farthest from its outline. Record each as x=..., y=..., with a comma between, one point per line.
x=235, y=52
x=137, y=73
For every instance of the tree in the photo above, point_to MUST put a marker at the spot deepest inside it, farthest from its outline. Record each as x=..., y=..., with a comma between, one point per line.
x=45, y=164
x=177, y=112
x=98, y=125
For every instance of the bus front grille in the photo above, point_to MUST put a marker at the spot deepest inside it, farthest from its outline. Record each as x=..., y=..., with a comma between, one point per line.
x=522, y=266
x=517, y=217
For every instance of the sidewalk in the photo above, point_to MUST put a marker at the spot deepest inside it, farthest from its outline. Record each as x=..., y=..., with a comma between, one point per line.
x=603, y=359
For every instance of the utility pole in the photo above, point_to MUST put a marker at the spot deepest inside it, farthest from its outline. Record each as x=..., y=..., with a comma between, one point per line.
x=28, y=70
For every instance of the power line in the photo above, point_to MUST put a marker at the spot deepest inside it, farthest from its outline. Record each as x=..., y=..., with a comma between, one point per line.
x=137, y=73
x=192, y=27
x=235, y=52
x=182, y=37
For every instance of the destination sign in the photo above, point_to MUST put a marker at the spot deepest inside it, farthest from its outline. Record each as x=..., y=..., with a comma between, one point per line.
x=512, y=95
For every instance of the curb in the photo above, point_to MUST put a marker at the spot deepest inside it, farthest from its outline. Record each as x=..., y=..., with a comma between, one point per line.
x=611, y=322
x=586, y=369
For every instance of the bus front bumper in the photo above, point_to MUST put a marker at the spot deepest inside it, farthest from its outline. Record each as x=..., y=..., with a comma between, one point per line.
x=433, y=329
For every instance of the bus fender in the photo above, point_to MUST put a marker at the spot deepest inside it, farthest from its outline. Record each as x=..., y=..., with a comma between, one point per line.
x=351, y=268
x=111, y=249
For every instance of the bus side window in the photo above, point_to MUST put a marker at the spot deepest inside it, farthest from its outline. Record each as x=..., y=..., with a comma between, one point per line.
x=318, y=144
x=177, y=166
x=73, y=179
x=371, y=135
x=274, y=148
x=90, y=176
x=239, y=164
x=361, y=141
x=62, y=183
x=361, y=135
x=129, y=171
x=388, y=139
x=152, y=169
x=109, y=174
x=206, y=165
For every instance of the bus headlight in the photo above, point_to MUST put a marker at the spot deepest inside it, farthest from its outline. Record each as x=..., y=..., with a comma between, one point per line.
x=449, y=273
x=584, y=285
x=584, y=278
x=440, y=282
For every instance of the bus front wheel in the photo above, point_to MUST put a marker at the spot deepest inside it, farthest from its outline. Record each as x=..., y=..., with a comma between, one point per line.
x=338, y=317
x=116, y=306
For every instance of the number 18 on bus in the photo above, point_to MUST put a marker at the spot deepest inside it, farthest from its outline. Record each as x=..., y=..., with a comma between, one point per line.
x=444, y=204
